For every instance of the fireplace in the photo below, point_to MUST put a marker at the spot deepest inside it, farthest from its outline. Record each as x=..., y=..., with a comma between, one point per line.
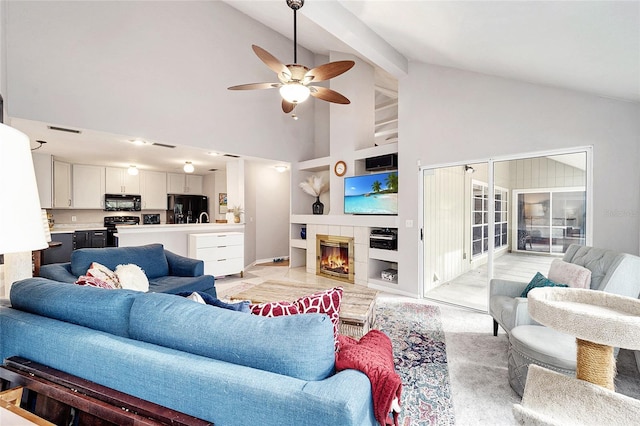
x=334, y=257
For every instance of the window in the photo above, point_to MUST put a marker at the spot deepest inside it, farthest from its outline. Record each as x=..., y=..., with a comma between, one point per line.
x=480, y=218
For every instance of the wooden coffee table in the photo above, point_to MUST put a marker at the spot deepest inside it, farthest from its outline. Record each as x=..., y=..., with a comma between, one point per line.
x=357, y=310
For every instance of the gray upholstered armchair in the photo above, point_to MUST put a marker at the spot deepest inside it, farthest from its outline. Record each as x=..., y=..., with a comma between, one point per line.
x=613, y=272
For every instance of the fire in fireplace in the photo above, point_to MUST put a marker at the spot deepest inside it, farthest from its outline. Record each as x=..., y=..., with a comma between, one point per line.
x=335, y=257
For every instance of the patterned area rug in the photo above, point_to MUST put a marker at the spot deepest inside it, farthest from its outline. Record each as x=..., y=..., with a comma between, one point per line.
x=421, y=361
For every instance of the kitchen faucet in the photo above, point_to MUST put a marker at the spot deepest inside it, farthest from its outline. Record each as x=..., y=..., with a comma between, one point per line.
x=206, y=215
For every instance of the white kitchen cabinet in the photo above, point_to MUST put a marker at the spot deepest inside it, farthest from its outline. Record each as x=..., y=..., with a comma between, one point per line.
x=222, y=253
x=43, y=167
x=180, y=183
x=153, y=189
x=61, y=185
x=119, y=181
x=88, y=187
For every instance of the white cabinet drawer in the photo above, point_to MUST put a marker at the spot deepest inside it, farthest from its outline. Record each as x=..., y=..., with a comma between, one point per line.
x=224, y=267
x=218, y=253
x=218, y=240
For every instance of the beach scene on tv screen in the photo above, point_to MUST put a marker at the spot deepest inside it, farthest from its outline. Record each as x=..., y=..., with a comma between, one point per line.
x=371, y=194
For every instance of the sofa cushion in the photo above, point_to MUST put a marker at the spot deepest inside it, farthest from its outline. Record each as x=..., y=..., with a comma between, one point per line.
x=96, y=308
x=573, y=275
x=299, y=346
x=150, y=258
x=173, y=285
x=540, y=280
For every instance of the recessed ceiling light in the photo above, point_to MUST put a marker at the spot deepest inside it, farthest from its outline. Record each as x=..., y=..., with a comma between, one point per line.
x=281, y=168
x=138, y=141
x=214, y=154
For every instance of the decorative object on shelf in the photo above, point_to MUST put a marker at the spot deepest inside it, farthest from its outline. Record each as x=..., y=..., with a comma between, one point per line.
x=294, y=79
x=303, y=232
x=237, y=211
x=315, y=186
x=340, y=168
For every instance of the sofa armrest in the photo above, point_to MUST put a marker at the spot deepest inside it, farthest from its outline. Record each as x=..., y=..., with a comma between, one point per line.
x=181, y=266
x=498, y=287
x=58, y=272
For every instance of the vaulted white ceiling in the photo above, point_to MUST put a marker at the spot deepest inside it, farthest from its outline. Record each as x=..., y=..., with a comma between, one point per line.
x=589, y=46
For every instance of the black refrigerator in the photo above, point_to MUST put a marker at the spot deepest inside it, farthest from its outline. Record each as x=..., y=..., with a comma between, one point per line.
x=187, y=208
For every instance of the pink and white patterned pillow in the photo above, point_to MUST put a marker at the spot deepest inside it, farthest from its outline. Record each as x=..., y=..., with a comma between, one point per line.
x=324, y=302
x=98, y=270
x=93, y=282
x=274, y=309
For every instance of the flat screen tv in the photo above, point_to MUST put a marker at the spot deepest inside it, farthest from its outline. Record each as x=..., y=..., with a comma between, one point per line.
x=371, y=194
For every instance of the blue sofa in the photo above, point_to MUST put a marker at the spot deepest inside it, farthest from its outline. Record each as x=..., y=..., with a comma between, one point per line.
x=227, y=367
x=167, y=272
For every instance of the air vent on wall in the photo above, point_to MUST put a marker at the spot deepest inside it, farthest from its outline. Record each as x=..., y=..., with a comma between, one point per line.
x=231, y=155
x=213, y=170
x=163, y=145
x=63, y=129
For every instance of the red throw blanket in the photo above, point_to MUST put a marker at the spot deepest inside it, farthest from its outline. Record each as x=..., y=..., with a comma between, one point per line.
x=373, y=355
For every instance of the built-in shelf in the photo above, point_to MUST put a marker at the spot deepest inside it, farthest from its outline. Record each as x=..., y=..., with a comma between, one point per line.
x=381, y=282
x=392, y=103
x=346, y=220
x=299, y=243
x=315, y=164
x=374, y=151
x=381, y=254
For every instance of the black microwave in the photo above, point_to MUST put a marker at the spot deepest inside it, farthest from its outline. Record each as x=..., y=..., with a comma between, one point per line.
x=122, y=203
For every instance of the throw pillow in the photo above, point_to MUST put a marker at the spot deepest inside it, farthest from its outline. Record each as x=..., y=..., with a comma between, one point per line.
x=102, y=273
x=324, y=302
x=132, y=277
x=540, y=280
x=93, y=282
x=571, y=274
x=274, y=309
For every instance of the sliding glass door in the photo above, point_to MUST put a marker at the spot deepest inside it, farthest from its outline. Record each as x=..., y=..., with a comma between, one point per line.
x=506, y=218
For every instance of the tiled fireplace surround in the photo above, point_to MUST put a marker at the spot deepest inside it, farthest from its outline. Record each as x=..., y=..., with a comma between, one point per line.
x=360, y=234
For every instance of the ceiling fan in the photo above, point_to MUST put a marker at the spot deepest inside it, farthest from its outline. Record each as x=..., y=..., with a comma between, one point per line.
x=295, y=79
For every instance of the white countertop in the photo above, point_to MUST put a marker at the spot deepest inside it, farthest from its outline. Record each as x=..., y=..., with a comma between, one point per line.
x=180, y=227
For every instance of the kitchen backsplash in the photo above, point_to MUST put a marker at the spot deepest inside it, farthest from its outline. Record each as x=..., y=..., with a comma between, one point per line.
x=64, y=216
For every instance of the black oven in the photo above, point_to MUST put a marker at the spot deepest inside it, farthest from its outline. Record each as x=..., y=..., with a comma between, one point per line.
x=111, y=222
x=122, y=203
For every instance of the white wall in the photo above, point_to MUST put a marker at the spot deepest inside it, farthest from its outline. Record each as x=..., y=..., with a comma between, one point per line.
x=448, y=115
x=154, y=69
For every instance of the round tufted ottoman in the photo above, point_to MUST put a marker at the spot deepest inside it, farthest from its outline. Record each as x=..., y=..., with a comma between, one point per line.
x=543, y=346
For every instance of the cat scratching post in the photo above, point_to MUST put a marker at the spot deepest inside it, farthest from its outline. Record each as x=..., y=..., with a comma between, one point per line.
x=600, y=321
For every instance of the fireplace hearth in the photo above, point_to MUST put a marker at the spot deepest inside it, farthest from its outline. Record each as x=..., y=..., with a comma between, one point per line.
x=334, y=257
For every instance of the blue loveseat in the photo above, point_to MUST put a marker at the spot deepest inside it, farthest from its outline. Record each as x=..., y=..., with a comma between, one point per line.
x=227, y=367
x=167, y=272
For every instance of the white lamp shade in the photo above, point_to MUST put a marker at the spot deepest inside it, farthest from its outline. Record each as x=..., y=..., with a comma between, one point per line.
x=21, y=227
x=294, y=93
x=188, y=167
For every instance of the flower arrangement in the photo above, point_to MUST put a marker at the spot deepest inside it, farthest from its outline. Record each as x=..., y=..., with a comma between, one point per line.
x=314, y=186
x=236, y=210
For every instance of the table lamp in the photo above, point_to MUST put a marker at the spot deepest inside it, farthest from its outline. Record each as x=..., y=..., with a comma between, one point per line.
x=21, y=228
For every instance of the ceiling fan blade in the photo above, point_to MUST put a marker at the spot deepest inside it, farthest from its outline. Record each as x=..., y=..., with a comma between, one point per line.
x=254, y=86
x=287, y=107
x=327, y=71
x=270, y=60
x=328, y=95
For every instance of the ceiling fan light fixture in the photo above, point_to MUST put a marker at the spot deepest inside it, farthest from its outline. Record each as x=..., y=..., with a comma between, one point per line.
x=188, y=167
x=294, y=92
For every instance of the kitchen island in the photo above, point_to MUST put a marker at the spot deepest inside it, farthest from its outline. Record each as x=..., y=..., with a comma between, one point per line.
x=174, y=237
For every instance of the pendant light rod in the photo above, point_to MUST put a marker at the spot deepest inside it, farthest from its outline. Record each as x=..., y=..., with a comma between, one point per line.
x=295, y=36
x=295, y=5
